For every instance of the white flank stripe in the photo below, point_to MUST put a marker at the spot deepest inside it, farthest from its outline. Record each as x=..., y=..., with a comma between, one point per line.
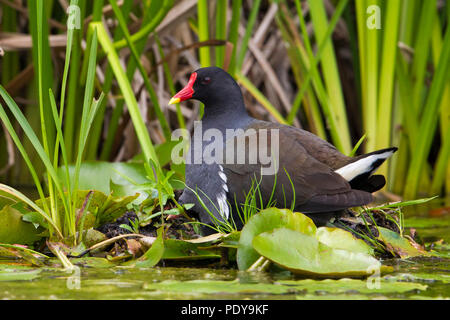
x=354, y=169
x=222, y=198
x=223, y=205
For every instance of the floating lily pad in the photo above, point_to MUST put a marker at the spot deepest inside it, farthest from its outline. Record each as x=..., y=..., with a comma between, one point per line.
x=267, y=220
x=340, y=239
x=398, y=245
x=332, y=286
x=304, y=254
x=182, y=250
x=325, y=287
x=16, y=275
x=23, y=252
x=422, y=277
x=209, y=286
x=92, y=262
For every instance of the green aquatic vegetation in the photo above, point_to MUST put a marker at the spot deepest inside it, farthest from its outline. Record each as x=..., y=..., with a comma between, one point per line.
x=14, y=229
x=303, y=254
x=268, y=220
x=61, y=224
x=15, y=275
x=328, y=286
x=104, y=281
x=387, y=235
x=291, y=240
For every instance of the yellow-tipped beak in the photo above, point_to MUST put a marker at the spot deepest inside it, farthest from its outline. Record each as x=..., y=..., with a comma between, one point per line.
x=174, y=101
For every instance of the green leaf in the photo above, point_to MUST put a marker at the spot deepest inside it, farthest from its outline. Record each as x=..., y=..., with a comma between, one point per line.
x=216, y=288
x=113, y=209
x=183, y=250
x=16, y=275
x=303, y=254
x=6, y=199
x=14, y=230
x=340, y=239
x=154, y=254
x=98, y=175
x=399, y=245
x=126, y=227
x=267, y=220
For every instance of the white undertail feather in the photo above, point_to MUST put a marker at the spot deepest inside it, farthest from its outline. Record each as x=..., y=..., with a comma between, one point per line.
x=354, y=169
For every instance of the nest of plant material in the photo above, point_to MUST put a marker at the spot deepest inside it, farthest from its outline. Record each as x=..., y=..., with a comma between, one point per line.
x=380, y=229
x=176, y=227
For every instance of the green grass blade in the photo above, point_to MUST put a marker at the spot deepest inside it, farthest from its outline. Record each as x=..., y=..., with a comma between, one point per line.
x=233, y=35
x=248, y=33
x=71, y=117
x=387, y=84
x=221, y=30
x=139, y=125
x=429, y=120
x=247, y=84
x=148, y=28
x=17, y=194
x=331, y=75
x=203, y=32
x=162, y=120
x=169, y=79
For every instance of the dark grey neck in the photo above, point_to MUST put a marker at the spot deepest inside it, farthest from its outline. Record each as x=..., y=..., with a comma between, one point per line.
x=225, y=117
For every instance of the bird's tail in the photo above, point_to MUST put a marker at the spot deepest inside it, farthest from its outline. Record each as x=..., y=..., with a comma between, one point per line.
x=359, y=172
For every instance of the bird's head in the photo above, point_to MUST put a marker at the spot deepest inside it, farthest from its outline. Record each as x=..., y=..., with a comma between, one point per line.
x=212, y=85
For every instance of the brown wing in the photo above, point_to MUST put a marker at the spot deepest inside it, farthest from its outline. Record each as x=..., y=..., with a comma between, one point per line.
x=316, y=187
x=321, y=150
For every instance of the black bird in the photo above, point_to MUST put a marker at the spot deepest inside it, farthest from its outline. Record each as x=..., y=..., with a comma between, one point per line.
x=312, y=172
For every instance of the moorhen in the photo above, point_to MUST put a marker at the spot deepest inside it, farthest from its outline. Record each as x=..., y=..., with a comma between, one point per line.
x=306, y=169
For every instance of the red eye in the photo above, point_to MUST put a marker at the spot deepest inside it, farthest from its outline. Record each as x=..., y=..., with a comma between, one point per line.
x=206, y=80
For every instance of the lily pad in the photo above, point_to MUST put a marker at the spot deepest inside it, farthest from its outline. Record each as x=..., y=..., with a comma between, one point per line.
x=304, y=254
x=423, y=277
x=267, y=220
x=15, y=275
x=398, y=245
x=22, y=252
x=325, y=287
x=92, y=262
x=333, y=286
x=98, y=175
x=216, y=286
x=14, y=230
x=182, y=250
x=340, y=239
